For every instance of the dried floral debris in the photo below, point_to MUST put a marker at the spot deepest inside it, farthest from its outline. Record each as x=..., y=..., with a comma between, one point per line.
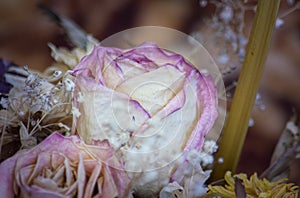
x=37, y=103
x=254, y=187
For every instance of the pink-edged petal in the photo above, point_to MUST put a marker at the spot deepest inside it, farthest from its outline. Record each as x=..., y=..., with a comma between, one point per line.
x=112, y=69
x=68, y=173
x=43, y=162
x=7, y=177
x=107, y=114
x=81, y=177
x=153, y=90
x=93, y=64
x=94, y=175
x=109, y=188
x=164, y=136
x=208, y=105
x=156, y=54
x=37, y=192
x=173, y=105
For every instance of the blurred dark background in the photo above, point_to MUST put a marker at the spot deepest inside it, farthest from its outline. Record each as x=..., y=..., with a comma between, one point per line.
x=25, y=32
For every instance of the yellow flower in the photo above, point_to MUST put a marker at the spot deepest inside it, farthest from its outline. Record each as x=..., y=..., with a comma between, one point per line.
x=255, y=187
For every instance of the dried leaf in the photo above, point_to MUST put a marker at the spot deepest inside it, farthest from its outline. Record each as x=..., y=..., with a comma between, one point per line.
x=27, y=141
x=284, y=153
x=172, y=190
x=281, y=167
x=8, y=118
x=77, y=36
x=239, y=188
x=286, y=140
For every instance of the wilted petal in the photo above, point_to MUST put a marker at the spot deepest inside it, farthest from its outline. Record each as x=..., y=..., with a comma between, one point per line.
x=172, y=190
x=207, y=103
x=7, y=177
x=92, y=180
x=154, y=89
x=80, y=177
x=109, y=188
x=107, y=114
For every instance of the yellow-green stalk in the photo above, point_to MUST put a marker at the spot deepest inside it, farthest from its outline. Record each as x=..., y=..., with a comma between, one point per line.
x=236, y=126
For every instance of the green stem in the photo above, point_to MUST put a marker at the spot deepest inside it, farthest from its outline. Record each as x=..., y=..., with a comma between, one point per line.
x=236, y=126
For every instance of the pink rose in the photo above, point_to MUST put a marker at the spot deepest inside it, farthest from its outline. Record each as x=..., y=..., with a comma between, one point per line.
x=62, y=167
x=151, y=105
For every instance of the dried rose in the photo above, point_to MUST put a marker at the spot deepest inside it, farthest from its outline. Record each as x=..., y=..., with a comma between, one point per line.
x=62, y=167
x=150, y=104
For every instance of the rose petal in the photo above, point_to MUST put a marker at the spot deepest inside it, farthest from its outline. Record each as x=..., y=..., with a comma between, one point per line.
x=92, y=180
x=208, y=101
x=153, y=90
x=164, y=137
x=156, y=54
x=80, y=177
x=7, y=169
x=107, y=113
x=43, y=161
x=45, y=183
x=59, y=176
x=93, y=67
x=69, y=176
x=36, y=192
x=109, y=188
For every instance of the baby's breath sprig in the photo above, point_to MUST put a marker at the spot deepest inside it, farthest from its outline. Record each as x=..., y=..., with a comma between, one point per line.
x=37, y=108
x=40, y=103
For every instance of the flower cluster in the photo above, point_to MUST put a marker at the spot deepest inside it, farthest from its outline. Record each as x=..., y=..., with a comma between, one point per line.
x=109, y=122
x=130, y=106
x=36, y=103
